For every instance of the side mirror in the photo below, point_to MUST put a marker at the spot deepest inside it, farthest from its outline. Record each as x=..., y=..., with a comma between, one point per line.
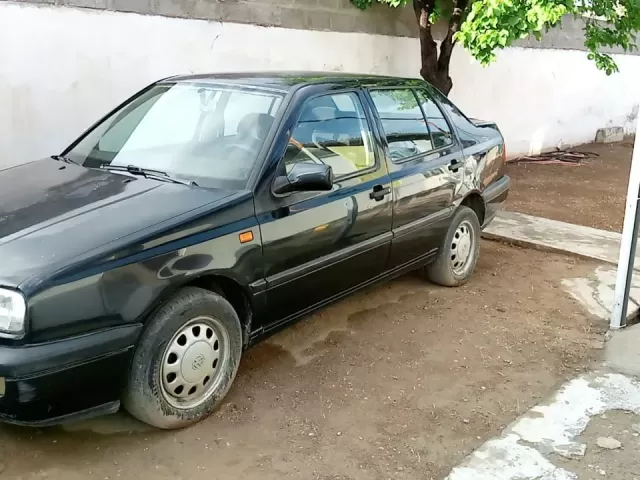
x=305, y=177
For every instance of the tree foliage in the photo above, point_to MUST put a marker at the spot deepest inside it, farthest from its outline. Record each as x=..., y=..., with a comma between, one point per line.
x=485, y=26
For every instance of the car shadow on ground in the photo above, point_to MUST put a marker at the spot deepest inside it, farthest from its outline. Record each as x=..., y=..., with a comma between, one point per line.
x=400, y=380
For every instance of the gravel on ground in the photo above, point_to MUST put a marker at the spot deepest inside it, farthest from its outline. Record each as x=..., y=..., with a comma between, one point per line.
x=401, y=380
x=592, y=193
x=620, y=463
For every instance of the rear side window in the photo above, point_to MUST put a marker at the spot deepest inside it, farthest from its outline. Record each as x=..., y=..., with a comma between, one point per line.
x=451, y=109
x=403, y=123
x=440, y=131
x=468, y=133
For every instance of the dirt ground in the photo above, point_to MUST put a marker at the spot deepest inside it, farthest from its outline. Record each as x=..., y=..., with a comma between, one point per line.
x=399, y=381
x=619, y=463
x=592, y=193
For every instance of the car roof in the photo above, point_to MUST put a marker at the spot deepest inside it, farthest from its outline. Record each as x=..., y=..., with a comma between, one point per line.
x=287, y=80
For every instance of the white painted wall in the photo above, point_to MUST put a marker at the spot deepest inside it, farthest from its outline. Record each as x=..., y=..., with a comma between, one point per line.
x=62, y=68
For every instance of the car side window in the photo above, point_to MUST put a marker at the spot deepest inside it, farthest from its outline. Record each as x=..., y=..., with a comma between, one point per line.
x=440, y=130
x=333, y=130
x=403, y=123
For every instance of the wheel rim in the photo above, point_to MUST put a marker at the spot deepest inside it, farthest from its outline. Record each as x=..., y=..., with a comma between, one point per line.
x=462, y=248
x=194, y=361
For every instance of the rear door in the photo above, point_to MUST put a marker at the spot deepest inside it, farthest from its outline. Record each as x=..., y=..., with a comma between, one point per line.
x=320, y=245
x=422, y=156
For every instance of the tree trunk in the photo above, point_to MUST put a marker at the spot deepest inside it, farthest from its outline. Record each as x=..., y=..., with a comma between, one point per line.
x=435, y=66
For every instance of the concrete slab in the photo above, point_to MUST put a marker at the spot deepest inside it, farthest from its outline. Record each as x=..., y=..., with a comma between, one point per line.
x=550, y=442
x=595, y=292
x=551, y=235
x=622, y=350
x=610, y=135
x=562, y=439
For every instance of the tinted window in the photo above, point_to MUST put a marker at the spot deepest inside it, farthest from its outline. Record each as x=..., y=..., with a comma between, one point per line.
x=206, y=133
x=333, y=130
x=451, y=109
x=403, y=123
x=468, y=133
x=440, y=131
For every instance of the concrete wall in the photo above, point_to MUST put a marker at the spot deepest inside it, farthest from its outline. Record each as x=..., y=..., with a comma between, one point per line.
x=62, y=68
x=334, y=15
x=323, y=15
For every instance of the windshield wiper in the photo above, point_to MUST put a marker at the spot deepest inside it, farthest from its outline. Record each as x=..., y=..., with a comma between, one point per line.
x=62, y=158
x=148, y=173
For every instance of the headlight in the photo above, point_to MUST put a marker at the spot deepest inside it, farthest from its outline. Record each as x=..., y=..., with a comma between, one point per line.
x=12, y=312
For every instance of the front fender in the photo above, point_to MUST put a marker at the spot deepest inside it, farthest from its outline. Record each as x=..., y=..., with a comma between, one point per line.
x=129, y=292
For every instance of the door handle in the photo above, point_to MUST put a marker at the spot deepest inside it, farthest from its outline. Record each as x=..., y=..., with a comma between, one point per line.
x=454, y=166
x=379, y=192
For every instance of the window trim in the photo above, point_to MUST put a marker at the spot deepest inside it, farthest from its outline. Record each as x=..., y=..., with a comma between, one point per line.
x=384, y=133
x=369, y=120
x=437, y=98
x=442, y=112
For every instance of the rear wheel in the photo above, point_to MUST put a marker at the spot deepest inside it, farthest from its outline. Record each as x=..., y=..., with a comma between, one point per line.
x=186, y=360
x=458, y=255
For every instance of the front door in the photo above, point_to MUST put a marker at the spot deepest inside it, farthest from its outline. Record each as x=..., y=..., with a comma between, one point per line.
x=422, y=155
x=320, y=245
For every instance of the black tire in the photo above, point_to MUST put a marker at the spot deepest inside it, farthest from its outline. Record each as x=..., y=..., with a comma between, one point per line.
x=441, y=271
x=145, y=397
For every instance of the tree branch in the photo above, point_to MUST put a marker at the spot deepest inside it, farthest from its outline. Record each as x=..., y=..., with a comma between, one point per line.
x=423, y=10
x=428, y=47
x=446, y=47
x=430, y=68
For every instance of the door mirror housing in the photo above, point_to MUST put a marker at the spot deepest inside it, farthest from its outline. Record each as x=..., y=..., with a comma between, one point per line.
x=305, y=177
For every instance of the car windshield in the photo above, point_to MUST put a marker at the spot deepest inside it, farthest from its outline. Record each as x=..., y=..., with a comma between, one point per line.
x=208, y=134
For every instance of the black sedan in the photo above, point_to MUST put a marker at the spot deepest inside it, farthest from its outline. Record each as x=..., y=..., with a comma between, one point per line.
x=209, y=211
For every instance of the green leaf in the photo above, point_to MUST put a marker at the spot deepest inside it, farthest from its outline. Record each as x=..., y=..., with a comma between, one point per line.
x=490, y=25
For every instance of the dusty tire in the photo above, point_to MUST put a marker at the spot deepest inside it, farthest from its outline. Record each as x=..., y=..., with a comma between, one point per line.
x=209, y=326
x=462, y=237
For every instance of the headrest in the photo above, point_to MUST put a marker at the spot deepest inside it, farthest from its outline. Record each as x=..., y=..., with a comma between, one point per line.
x=256, y=125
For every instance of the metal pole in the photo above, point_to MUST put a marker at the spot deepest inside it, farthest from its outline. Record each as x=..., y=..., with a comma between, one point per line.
x=632, y=257
x=628, y=242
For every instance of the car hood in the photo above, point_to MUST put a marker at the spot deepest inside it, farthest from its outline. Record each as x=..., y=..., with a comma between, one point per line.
x=51, y=213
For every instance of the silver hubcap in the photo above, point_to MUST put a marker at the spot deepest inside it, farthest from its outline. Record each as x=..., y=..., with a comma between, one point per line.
x=462, y=248
x=193, y=362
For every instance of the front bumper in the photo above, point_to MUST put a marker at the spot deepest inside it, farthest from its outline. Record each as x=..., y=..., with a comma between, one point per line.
x=55, y=382
x=494, y=196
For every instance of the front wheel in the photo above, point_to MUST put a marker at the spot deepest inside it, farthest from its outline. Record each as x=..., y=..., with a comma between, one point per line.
x=186, y=360
x=458, y=255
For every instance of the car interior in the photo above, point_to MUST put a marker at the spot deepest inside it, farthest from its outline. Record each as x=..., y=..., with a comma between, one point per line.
x=329, y=135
